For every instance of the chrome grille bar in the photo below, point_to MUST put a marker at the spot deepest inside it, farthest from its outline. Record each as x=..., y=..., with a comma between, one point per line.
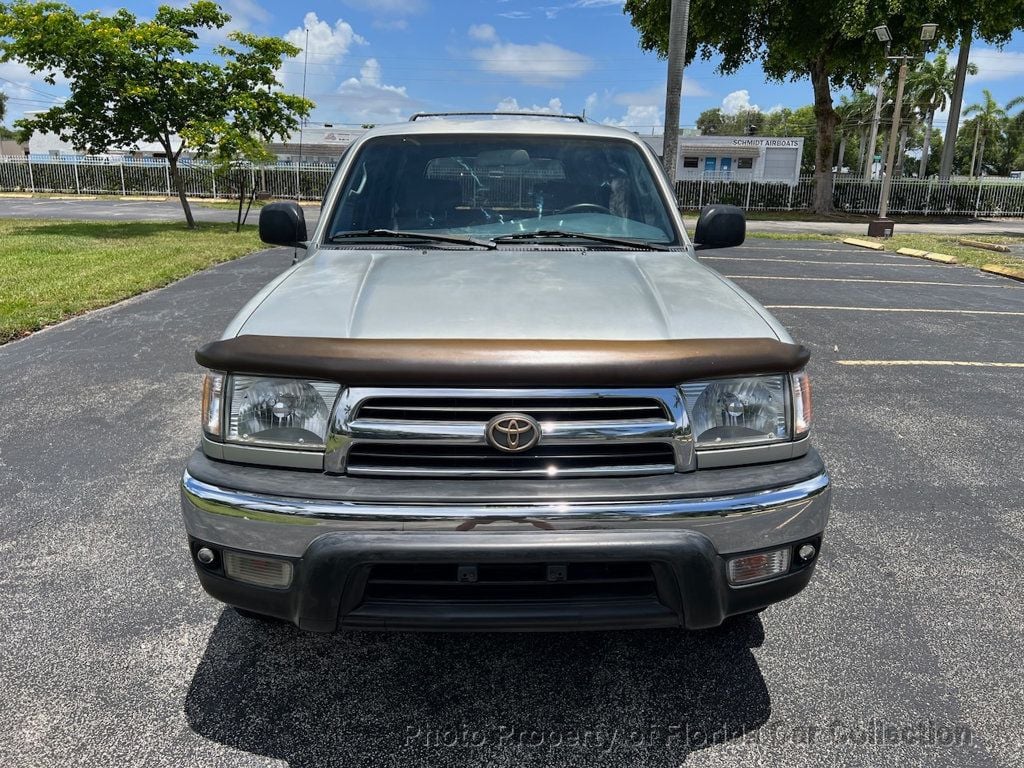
x=441, y=432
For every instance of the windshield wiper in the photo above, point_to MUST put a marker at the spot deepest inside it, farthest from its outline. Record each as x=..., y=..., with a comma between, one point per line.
x=428, y=236
x=556, y=233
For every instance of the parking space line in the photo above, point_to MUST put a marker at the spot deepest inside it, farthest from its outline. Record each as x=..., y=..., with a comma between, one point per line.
x=896, y=309
x=871, y=280
x=964, y=363
x=893, y=263
x=795, y=249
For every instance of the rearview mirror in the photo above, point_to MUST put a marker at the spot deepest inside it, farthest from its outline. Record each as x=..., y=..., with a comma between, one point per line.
x=282, y=224
x=720, y=226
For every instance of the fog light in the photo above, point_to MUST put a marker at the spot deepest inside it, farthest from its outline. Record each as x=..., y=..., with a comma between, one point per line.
x=806, y=552
x=261, y=571
x=205, y=555
x=763, y=565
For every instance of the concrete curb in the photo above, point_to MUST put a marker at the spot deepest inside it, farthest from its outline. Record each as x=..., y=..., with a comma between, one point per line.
x=864, y=244
x=1010, y=272
x=943, y=258
x=981, y=244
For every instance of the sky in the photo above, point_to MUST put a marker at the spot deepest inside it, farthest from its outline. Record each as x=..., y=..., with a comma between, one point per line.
x=378, y=61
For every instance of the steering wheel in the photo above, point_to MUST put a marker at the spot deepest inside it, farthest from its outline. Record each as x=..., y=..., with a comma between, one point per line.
x=584, y=207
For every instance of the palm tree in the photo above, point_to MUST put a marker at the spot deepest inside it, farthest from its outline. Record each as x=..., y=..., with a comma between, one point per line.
x=1017, y=160
x=931, y=85
x=991, y=117
x=855, y=119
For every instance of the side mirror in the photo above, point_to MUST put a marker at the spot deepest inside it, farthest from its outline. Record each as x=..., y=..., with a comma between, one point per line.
x=282, y=224
x=720, y=226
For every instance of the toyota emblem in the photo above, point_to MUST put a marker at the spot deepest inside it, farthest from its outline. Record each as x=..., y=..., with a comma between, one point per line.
x=513, y=432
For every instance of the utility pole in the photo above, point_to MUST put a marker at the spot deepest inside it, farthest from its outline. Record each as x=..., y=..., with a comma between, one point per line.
x=869, y=162
x=677, y=30
x=955, y=104
x=882, y=227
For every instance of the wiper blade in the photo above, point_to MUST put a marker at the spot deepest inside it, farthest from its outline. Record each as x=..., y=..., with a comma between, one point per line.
x=428, y=236
x=555, y=233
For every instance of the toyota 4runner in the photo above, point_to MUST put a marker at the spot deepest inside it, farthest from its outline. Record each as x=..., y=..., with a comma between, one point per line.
x=498, y=392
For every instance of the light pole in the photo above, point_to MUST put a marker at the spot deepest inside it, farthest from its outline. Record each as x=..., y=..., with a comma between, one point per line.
x=883, y=226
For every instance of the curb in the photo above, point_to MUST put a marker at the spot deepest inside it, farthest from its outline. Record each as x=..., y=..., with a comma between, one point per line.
x=864, y=244
x=943, y=258
x=981, y=244
x=1010, y=272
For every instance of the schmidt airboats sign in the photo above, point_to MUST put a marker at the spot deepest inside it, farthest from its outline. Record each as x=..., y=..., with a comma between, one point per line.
x=766, y=142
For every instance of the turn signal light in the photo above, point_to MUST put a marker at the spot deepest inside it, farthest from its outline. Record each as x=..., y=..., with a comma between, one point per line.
x=764, y=565
x=261, y=571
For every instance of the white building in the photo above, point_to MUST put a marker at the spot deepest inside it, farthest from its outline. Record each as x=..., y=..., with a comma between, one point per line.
x=738, y=158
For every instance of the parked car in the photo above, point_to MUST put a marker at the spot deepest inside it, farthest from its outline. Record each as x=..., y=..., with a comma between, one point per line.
x=498, y=391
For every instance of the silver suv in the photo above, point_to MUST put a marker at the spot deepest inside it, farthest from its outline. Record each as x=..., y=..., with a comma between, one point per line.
x=499, y=392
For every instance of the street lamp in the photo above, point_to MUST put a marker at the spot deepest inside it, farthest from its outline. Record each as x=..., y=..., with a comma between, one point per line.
x=883, y=226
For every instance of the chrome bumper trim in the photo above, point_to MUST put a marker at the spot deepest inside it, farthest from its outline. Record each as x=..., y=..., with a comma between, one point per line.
x=285, y=526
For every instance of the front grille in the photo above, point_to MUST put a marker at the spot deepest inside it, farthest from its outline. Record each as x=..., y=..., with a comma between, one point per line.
x=543, y=461
x=423, y=432
x=510, y=582
x=482, y=409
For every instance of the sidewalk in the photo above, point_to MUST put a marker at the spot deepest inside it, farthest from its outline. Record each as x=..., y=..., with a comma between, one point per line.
x=1004, y=227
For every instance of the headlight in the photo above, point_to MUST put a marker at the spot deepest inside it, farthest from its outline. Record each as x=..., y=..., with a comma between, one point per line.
x=275, y=412
x=754, y=410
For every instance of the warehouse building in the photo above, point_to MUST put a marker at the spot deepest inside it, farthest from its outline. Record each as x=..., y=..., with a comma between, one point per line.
x=736, y=158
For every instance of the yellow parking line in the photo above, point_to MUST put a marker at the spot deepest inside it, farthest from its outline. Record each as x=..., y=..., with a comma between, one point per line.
x=894, y=263
x=871, y=280
x=896, y=309
x=964, y=363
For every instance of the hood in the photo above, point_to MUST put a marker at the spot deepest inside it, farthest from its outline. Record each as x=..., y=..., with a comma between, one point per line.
x=504, y=294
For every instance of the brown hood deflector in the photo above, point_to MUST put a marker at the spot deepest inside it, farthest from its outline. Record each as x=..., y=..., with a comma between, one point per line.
x=501, y=363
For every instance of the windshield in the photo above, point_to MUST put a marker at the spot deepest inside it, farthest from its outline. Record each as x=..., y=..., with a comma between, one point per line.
x=488, y=186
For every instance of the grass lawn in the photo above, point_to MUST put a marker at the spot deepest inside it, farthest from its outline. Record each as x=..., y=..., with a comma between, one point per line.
x=51, y=270
x=973, y=257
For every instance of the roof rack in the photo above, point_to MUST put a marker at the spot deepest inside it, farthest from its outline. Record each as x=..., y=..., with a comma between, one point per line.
x=418, y=115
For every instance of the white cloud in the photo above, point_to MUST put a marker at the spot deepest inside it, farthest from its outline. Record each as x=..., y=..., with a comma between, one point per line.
x=515, y=15
x=485, y=33
x=367, y=99
x=510, y=104
x=638, y=116
x=738, y=101
x=27, y=92
x=537, y=63
x=591, y=102
x=997, y=65
x=328, y=46
x=390, y=24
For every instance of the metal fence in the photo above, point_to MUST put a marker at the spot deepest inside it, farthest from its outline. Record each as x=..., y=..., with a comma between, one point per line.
x=925, y=197
x=75, y=174
x=83, y=175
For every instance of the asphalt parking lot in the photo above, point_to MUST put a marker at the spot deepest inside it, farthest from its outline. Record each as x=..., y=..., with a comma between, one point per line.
x=904, y=650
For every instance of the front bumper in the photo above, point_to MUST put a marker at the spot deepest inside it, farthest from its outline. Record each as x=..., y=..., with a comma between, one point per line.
x=334, y=543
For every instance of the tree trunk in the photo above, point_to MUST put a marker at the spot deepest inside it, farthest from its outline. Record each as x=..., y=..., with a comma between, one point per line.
x=678, y=23
x=863, y=149
x=926, y=146
x=981, y=155
x=955, y=103
x=974, y=152
x=826, y=120
x=842, y=153
x=901, y=153
x=179, y=185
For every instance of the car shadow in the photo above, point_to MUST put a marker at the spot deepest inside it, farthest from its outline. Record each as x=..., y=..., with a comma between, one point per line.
x=468, y=699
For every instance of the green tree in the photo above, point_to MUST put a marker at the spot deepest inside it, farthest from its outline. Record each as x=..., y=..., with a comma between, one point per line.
x=1015, y=136
x=824, y=42
x=930, y=86
x=990, y=119
x=134, y=80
